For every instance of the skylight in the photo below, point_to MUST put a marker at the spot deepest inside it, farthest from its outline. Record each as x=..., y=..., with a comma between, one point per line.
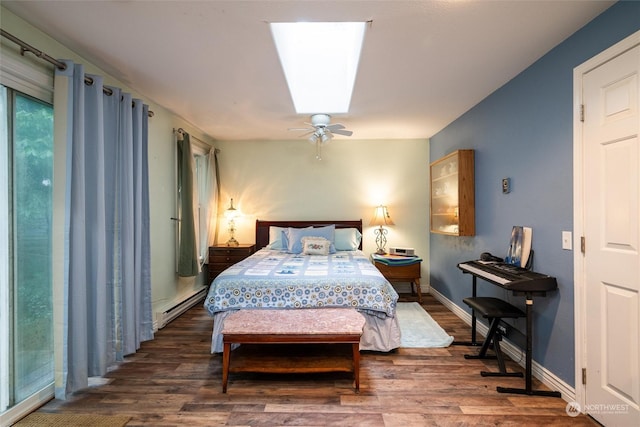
x=320, y=61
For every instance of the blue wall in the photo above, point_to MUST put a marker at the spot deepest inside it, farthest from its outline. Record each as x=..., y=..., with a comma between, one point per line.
x=524, y=131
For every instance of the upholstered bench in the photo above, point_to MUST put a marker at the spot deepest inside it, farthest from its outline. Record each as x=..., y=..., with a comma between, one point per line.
x=293, y=326
x=493, y=309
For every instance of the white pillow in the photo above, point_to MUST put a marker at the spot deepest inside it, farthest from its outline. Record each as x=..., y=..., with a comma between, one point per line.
x=277, y=238
x=347, y=239
x=312, y=245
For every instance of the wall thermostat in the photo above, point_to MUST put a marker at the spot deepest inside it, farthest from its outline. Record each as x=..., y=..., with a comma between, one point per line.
x=506, y=185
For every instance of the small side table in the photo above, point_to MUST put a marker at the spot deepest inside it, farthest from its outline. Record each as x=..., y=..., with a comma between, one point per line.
x=222, y=257
x=402, y=273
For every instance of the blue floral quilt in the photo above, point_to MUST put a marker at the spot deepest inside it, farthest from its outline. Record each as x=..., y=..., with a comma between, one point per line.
x=275, y=279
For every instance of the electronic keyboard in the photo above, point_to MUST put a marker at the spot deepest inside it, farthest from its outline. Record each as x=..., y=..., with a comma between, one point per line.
x=519, y=281
x=509, y=276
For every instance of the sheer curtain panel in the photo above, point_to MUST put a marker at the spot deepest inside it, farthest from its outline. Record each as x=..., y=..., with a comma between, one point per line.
x=106, y=291
x=205, y=195
x=209, y=204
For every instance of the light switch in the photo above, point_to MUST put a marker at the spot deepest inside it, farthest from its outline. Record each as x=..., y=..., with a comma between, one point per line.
x=567, y=240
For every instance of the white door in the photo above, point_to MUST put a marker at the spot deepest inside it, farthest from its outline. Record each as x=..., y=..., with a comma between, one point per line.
x=611, y=171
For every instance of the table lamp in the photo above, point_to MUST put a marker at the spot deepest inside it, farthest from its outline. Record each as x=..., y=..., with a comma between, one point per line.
x=231, y=214
x=381, y=217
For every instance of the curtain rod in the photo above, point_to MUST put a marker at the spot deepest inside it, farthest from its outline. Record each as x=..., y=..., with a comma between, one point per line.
x=180, y=130
x=25, y=47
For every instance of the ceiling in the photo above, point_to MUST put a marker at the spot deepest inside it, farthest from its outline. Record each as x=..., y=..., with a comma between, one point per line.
x=213, y=63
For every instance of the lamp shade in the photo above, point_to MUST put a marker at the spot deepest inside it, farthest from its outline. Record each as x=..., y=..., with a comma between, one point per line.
x=381, y=216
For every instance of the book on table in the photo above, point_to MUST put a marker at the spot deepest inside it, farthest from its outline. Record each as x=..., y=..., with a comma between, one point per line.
x=396, y=259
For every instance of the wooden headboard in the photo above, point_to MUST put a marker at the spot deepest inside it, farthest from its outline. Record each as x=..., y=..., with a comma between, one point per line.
x=262, y=228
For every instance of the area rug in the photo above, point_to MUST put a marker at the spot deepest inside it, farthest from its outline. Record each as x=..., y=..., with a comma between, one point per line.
x=44, y=419
x=418, y=329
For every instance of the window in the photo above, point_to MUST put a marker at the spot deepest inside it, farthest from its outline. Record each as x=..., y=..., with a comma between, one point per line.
x=320, y=61
x=26, y=192
x=203, y=192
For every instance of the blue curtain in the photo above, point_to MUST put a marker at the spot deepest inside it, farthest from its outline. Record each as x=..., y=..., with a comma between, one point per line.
x=107, y=280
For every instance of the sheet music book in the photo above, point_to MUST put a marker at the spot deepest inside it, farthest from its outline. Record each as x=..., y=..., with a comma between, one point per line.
x=519, y=246
x=526, y=246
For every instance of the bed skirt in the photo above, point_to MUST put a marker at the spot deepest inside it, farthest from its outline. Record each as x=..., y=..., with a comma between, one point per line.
x=379, y=334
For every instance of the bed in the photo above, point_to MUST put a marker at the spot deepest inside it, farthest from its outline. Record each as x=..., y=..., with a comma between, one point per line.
x=291, y=269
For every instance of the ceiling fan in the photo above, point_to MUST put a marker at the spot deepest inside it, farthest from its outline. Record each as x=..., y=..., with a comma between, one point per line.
x=321, y=131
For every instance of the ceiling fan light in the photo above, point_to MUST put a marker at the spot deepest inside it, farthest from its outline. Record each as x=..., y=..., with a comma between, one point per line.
x=325, y=138
x=314, y=138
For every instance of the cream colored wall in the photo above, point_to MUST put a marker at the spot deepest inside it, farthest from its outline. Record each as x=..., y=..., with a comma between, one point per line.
x=282, y=180
x=166, y=288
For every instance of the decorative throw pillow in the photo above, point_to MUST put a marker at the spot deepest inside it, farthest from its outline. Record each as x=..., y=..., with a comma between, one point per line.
x=312, y=245
x=295, y=235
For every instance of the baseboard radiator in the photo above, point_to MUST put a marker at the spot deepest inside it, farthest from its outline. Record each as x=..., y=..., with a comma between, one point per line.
x=164, y=317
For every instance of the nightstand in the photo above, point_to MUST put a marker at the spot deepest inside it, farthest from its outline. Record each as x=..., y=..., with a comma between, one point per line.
x=221, y=257
x=402, y=273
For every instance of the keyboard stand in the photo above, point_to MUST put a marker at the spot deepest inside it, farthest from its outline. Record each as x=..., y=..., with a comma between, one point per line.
x=529, y=294
x=528, y=390
x=473, y=341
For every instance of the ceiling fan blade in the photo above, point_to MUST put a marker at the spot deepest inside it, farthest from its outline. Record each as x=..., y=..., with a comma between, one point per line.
x=342, y=132
x=305, y=129
x=334, y=127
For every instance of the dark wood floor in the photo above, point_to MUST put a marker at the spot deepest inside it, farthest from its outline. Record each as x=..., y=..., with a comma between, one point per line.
x=175, y=381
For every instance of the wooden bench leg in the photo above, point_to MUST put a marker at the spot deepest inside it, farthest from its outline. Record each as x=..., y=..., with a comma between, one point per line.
x=356, y=365
x=226, y=356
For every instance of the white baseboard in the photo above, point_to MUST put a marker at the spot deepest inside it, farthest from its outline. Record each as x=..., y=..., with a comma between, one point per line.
x=545, y=376
x=163, y=317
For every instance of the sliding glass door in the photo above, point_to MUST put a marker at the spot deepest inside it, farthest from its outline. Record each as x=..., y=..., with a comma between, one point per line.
x=26, y=312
